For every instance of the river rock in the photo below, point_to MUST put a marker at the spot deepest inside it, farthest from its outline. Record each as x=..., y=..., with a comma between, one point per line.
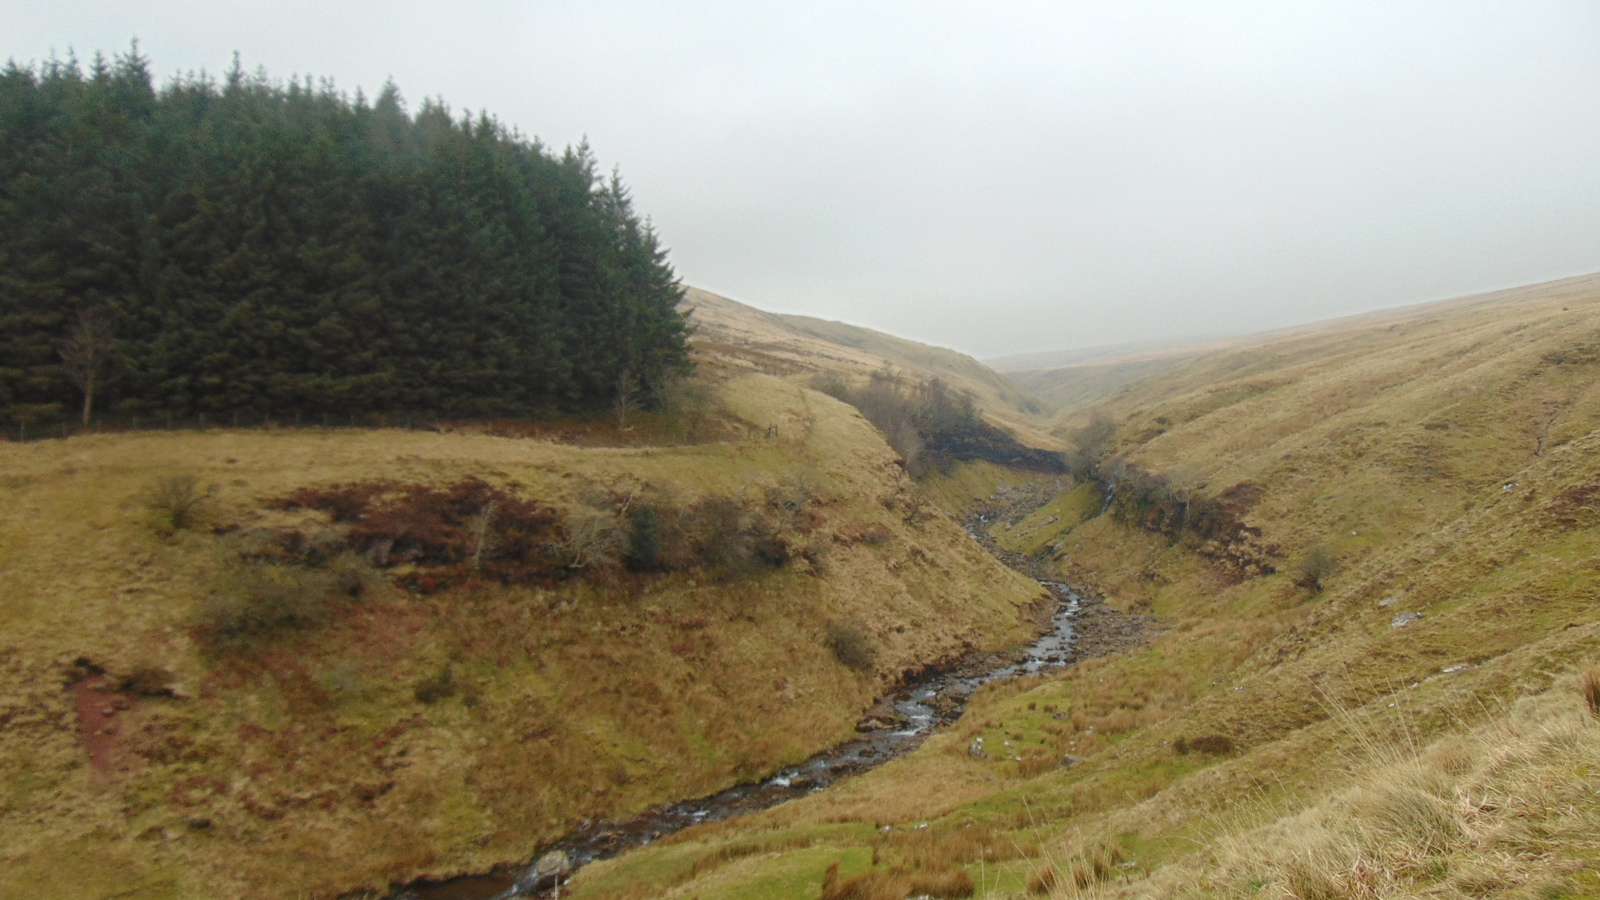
x=554, y=864
x=976, y=751
x=882, y=715
x=550, y=870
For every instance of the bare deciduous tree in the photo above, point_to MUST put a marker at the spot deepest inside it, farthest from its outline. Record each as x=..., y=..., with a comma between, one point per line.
x=87, y=355
x=592, y=537
x=483, y=537
x=627, y=398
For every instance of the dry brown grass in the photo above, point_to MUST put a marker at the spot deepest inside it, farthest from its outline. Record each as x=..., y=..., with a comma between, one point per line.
x=947, y=883
x=1446, y=459
x=1589, y=688
x=312, y=756
x=734, y=336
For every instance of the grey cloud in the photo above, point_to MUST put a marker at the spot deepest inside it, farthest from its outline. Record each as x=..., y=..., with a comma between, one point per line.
x=1013, y=176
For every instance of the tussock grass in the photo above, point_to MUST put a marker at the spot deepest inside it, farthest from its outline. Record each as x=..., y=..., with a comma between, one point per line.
x=175, y=501
x=1589, y=687
x=1495, y=810
x=897, y=884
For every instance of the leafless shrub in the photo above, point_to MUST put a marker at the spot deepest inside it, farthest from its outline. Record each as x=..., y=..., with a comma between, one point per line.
x=482, y=526
x=591, y=538
x=89, y=354
x=689, y=409
x=915, y=507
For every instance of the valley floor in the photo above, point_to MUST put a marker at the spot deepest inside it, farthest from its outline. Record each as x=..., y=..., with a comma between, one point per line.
x=1383, y=684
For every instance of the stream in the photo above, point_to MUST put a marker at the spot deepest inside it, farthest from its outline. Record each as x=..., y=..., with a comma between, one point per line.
x=898, y=724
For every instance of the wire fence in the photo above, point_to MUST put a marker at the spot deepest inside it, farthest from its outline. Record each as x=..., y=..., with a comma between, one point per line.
x=25, y=430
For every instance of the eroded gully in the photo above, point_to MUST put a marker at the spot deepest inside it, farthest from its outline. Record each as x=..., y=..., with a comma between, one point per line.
x=895, y=726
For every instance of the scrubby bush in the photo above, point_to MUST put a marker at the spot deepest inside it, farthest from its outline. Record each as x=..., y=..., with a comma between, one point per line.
x=592, y=539
x=851, y=646
x=932, y=425
x=1213, y=526
x=644, y=539
x=253, y=597
x=733, y=540
x=1091, y=443
x=176, y=501
x=470, y=529
x=1317, y=567
x=147, y=681
x=438, y=686
x=1213, y=744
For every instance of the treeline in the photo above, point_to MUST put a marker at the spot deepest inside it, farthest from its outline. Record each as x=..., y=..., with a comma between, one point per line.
x=284, y=248
x=932, y=426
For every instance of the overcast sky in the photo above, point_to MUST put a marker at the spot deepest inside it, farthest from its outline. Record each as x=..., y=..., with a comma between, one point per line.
x=1001, y=177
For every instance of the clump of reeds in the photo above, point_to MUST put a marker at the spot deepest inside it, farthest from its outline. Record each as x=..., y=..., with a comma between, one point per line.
x=1589, y=688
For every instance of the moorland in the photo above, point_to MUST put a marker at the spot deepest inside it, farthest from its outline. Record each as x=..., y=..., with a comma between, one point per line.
x=321, y=575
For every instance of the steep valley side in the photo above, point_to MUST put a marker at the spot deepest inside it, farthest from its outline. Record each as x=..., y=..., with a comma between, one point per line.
x=1372, y=683
x=440, y=718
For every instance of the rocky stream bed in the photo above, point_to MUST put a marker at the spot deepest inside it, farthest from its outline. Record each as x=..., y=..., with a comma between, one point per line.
x=1077, y=627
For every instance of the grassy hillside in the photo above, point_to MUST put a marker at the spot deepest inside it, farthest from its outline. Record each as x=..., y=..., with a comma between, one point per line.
x=379, y=719
x=733, y=334
x=1067, y=390
x=1389, y=701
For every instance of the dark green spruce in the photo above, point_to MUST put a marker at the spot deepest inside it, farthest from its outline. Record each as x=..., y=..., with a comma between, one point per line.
x=284, y=249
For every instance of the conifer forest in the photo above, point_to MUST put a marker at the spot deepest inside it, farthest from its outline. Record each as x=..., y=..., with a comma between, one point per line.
x=288, y=250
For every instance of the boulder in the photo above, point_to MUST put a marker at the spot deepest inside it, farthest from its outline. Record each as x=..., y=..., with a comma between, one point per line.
x=1405, y=619
x=548, y=871
x=554, y=863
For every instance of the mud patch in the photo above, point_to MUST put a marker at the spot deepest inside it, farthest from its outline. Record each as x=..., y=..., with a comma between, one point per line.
x=99, y=707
